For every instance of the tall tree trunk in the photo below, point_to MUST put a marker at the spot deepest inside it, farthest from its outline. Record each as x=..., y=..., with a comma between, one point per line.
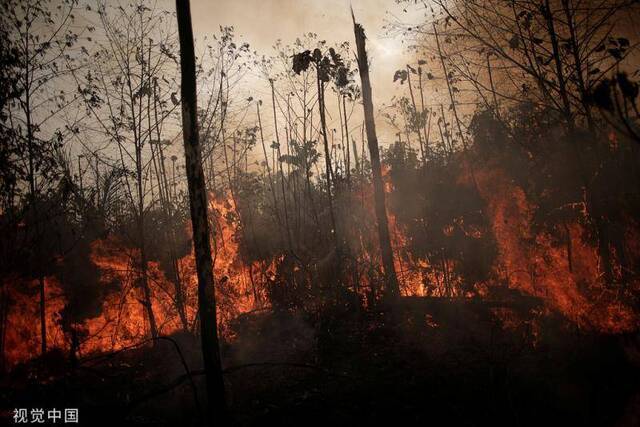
x=144, y=276
x=426, y=126
x=327, y=157
x=198, y=206
x=392, y=289
x=166, y=209
x=282, y=178
x=32, y=193
x=38, y=243
x=346, y=133
x=271, y=184
x=445, y=149
x=364, y=154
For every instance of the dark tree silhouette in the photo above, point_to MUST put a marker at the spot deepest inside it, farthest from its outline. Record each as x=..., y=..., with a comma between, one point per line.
x=198, y=204
x=392, y=289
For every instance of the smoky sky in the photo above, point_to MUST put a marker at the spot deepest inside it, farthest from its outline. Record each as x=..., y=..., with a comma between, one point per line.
x=262, y=22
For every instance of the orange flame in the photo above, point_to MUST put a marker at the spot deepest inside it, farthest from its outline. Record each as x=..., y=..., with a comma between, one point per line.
x=542, y=269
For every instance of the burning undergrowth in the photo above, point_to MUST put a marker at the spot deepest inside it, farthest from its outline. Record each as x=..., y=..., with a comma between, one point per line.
x=472, y=226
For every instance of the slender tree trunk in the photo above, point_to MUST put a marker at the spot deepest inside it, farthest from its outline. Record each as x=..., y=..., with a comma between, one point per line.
x=496, y=106
x=227, y=168
x=282, y=178
x=144, y=279
x=415, y=111
x=346, y=133
x=163, y=169
x=269, y=176
x=445, y=150
x=426, y=126
x=447, y=133
x=393, y=289
x=32, y=193
x=38, y=241
x=327, y=155
x=166, y=208
x=355, y=155
x=198, y=206
x=293, y=134
x=364, y=154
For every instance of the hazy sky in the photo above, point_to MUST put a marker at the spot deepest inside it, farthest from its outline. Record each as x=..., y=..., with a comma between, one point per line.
x=262, y=22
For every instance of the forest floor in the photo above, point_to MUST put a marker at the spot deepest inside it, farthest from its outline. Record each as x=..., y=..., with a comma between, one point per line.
x=427, y=362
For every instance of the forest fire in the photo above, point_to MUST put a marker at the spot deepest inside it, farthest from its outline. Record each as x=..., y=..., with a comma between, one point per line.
x=544, y=272
x=436, y=225
x=568, y=280
x=22, y=338
x=121, y=320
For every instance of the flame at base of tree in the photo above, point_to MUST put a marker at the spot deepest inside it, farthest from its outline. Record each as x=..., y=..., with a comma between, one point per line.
x=527, y=261
x=533, y=264
x=22, y=339
x=122, y=320
x=416, y=275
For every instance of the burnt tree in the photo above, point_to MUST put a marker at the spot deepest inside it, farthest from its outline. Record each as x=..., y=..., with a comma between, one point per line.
x=392, y=288
x=200, y=224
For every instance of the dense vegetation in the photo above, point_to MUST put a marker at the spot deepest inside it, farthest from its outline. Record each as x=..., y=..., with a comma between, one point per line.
x=509, y=290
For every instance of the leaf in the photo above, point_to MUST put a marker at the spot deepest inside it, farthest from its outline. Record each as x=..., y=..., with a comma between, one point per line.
x=301, y=61
x=628, y=88
x=514, y=42
x=601, y=95
x=623, y=42
x=337, y=59
x=400, y=75
x=342, y=77
x=615, y=53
